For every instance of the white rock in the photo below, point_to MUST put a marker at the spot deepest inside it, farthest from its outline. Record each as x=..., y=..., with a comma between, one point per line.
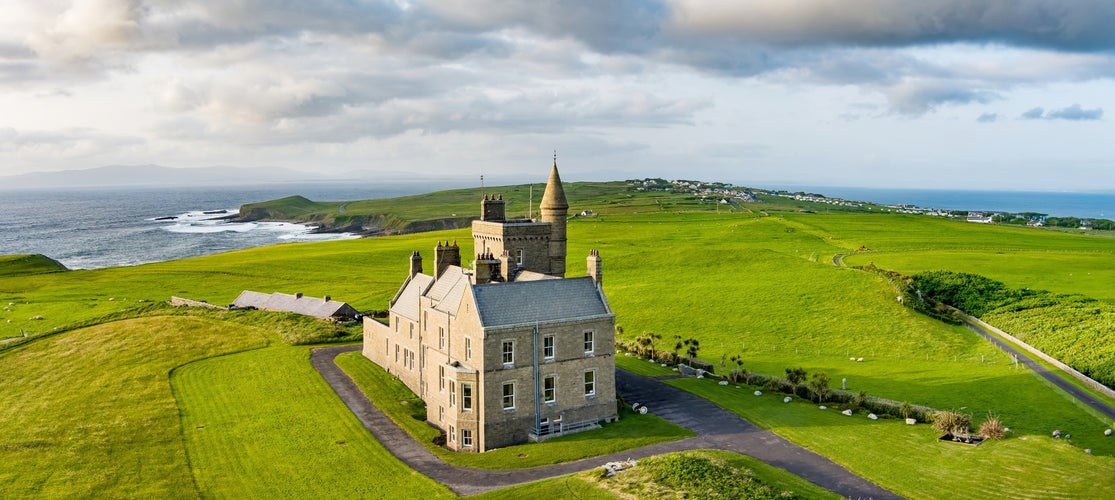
x=911, y=421
x=823, y=407
x=872, y=416
x=858, y=360
x=1105, y=433
x=853, y=358
x=643, y=410
x=847, y=412
x=758, y=393
x=723, y=382
x=112, y=299
x=787, y=399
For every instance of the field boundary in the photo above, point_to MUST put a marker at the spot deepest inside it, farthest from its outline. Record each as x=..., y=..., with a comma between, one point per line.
x=1086, y=380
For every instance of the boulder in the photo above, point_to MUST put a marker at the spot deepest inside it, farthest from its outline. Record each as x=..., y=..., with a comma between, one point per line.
x=872, y=416
x=847, y=412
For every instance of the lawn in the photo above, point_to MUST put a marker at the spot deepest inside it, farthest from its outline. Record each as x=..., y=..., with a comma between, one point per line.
x=911, y=462
x=91, y=413
x=404, y=408
x=264, y=424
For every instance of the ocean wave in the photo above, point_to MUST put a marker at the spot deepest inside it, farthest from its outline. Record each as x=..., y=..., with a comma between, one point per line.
x=216, y=221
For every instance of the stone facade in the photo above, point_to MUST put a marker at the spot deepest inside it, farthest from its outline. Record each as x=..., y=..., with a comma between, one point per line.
x=510, y=350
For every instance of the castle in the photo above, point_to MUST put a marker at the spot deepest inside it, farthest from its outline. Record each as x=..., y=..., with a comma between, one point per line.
x=511, y=350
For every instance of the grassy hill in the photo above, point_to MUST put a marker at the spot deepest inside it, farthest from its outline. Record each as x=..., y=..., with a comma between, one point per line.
x=758, y=281
x=22, y=265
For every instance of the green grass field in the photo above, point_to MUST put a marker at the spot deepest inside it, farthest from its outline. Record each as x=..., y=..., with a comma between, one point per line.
x=742, y=283
x=911, y=462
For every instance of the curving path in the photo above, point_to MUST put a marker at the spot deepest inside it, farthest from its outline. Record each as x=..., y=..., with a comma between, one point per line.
x=716, y=428
x=1025, y=359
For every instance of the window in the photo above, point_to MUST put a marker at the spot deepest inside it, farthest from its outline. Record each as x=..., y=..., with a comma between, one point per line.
x=588, y=343
x=425, y=320
x=466, y=438
x=441, y=414
x=441, y=378
x=468, y=348
x=411, y=360
x=412, y=330
x=590, y=383
x=452, y=434
x=405, y=353
x=396, y=353
x=466, y=397
x=548, y=348
x=396, y=321
x=441, y=338
x=386, y=347
x=452, y=393
x=549, y=389
x=508, y=352
x=519, y=257
x=509, y=396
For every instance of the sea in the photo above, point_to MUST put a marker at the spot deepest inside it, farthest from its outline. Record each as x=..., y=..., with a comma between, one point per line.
x=104, y=227
x=93, y=228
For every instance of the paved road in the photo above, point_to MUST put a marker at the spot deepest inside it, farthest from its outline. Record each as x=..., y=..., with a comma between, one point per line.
x=716, y=428
x=1063, y=384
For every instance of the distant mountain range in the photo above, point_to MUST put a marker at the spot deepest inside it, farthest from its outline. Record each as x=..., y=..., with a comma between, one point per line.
x=155, y=175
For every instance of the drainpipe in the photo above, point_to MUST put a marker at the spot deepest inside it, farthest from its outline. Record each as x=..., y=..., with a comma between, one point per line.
x=537, y=392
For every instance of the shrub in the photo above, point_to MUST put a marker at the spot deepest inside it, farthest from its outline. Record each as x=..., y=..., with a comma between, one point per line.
x=951, y=422
x=992, y=428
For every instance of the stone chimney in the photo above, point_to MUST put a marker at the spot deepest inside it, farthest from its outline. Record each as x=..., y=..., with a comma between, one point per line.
x=486, y=269
x=493, y=209
x=593, y=267
x=507, y=266
x=445, y=255
x=415, y=263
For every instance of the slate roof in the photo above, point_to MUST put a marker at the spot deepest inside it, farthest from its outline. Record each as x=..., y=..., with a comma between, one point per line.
x=307, y=306
x=515, y=303
x=406, y=302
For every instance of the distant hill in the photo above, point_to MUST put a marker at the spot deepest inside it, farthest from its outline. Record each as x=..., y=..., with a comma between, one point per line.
x=155, y=175
x=22, y=265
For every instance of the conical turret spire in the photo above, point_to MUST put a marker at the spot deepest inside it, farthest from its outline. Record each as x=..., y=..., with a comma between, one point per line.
x=554, y=197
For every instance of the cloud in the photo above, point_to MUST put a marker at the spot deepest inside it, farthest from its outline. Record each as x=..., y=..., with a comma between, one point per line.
x=917, y=96
x=1075, y=113
x=1049, y=24
x=66, y=143
x=1071, y=113
x=988, y=118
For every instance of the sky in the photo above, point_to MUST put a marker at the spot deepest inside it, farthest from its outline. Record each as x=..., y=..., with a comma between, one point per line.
x=942, y=94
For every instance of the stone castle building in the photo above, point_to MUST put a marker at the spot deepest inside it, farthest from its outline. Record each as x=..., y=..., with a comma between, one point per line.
x=510, y=350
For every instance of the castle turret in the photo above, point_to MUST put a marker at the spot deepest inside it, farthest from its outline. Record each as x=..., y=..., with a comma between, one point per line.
x=415, y=263
x=444, y=256
x=493, y=209
x=593, y=267
x=554, y=210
